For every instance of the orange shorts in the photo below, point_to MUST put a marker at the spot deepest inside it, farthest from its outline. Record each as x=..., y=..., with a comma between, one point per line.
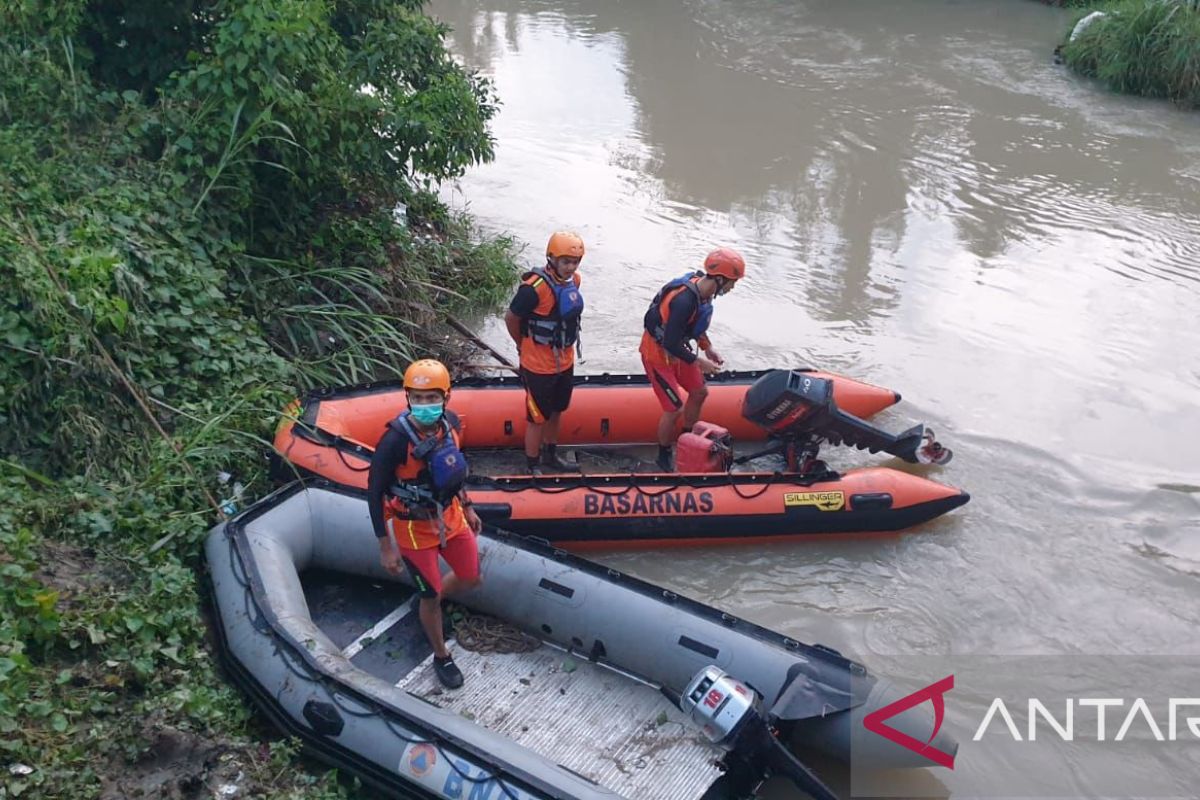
x=461, y=553
x=671, y=381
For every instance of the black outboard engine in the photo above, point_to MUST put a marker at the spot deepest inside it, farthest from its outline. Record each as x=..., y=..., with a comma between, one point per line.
x=794, y=405
x=730, y=714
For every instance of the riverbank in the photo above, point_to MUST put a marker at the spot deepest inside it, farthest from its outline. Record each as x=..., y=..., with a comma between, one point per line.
x=1143, y=47
x=197, y=221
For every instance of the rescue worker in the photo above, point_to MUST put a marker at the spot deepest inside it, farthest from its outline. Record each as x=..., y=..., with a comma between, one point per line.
x=543, y=320
x=680, y=314
x=418, y=505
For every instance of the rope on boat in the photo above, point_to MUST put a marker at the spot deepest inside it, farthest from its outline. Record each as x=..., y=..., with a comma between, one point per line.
x=616, y=484
x=482, y=633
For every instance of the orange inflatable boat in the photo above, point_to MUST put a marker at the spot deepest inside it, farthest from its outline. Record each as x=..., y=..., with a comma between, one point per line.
x=330, y=433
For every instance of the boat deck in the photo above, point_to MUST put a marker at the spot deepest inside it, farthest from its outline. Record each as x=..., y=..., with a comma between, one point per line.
x=609, y=459
x=591, y=460
x=593, y=720
x=596, y=722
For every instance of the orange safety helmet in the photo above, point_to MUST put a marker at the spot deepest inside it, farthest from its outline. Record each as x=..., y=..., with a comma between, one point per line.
x=427, y=374
x=726, y=262
x=564, y=243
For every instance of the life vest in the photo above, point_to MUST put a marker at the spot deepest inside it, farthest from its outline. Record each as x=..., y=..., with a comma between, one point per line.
x=445, y=468
x=660, y=309
x=559, y=328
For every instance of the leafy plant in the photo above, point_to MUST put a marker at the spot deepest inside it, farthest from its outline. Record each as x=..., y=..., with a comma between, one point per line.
x=197, y=221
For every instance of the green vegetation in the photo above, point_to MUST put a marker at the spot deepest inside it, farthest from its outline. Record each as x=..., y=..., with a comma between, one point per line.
x=1146, y=47
x=197, y=220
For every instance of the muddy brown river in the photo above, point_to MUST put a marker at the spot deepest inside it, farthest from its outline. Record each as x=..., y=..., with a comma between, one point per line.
x=927, y=202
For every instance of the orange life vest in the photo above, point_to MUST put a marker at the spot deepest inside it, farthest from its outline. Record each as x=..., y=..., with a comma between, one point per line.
x=547, y=336
x=410, y=529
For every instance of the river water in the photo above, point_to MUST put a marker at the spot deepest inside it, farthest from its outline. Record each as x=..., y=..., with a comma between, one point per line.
x=926, y=202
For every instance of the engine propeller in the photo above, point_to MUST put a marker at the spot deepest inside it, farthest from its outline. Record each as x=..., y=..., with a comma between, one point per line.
x=798, y=408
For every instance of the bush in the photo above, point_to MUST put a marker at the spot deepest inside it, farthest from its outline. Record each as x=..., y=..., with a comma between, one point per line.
x=1146, y=47
x=213, y=210
x=197, y=221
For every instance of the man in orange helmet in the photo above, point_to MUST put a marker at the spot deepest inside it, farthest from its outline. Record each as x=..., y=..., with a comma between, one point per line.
x=415, y=493
x=679, y=314
x=543, y=320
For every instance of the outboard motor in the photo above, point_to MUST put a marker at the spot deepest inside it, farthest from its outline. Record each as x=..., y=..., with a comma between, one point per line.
x=795, y=405
x=730, y=714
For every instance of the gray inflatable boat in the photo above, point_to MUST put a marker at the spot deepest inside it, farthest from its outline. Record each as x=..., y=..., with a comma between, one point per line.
x=611, y=687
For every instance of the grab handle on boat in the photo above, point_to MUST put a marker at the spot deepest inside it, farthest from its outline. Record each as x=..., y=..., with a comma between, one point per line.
x=323, y=718
x=493, y=512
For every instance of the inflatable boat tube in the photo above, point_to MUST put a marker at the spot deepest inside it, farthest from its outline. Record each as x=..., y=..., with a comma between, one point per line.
x=605, y=409
x=605, y=511
x=328, y=646
x=631, y=510
x=335, y=431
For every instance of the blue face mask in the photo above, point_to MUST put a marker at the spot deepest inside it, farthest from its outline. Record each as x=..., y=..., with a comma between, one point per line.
x=427, y=414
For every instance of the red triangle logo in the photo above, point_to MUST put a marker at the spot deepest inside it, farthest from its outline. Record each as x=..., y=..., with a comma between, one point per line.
x=935, y=693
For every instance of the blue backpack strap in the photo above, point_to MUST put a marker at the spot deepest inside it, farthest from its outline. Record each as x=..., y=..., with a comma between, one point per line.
x=684, y=281
x=401, y=423
x=703, y=320
x=699, y=325
x=689, y=284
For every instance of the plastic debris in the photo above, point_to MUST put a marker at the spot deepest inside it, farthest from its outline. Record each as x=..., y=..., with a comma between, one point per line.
x=229, y=506
x=1086, y=23
x=231, y=789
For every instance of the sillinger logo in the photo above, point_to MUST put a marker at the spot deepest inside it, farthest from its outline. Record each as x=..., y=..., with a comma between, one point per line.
x=935, y=692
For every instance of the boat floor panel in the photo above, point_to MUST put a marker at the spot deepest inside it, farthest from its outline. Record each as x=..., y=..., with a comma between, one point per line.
x=607, y=459
x=601, y=724
x=374, y=624
x=397, y=650
x=344, y=608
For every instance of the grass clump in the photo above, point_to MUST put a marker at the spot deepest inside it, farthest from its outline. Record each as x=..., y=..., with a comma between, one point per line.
x=1144, y=47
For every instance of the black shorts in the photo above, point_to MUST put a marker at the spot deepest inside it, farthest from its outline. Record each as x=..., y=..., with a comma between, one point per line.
x=547, y=394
